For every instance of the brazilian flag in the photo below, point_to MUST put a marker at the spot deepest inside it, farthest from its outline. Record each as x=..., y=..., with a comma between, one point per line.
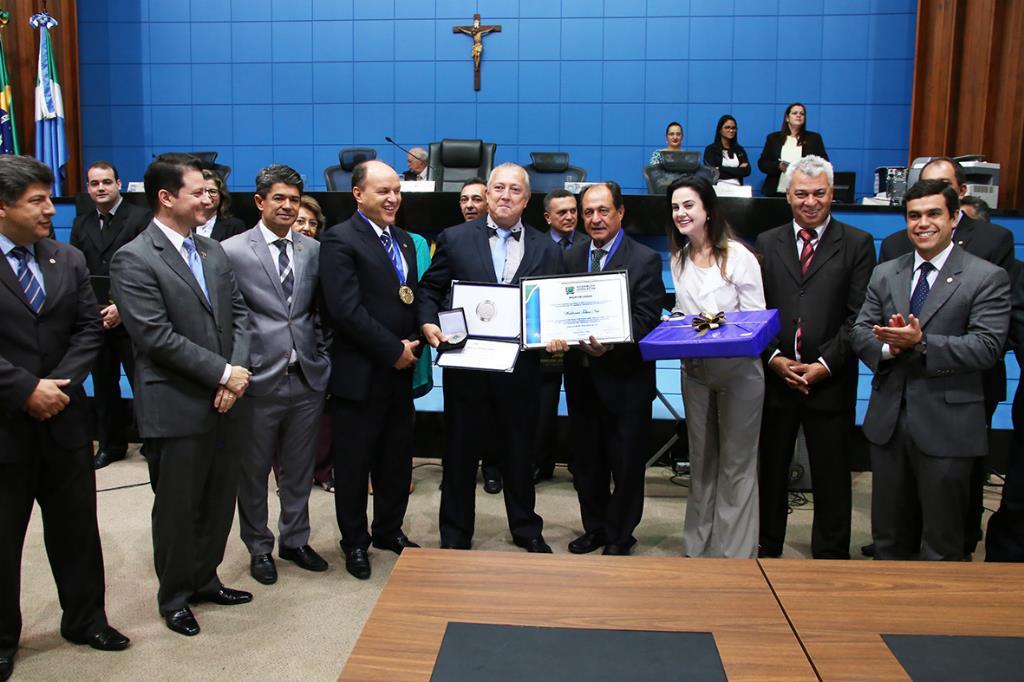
x=8, y=135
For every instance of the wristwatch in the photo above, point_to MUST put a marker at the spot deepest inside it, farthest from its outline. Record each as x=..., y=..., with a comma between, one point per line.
x=921, y=346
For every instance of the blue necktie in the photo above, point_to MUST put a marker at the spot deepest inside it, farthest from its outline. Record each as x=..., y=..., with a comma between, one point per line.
x=917, y=299
x=33, y=292
x=500, y=251
x=195, y=264
x=396, y=261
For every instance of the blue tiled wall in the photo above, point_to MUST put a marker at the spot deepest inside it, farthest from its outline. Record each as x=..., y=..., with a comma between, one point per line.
x=293, y=81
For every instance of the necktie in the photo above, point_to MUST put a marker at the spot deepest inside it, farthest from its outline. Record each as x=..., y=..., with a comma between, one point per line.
x=807, y=253
x=104, y=221
x=33, y=292
x=806, y=256
x=500, y=251
x=917, y=299
x=284, y=269
x=396, y=261
x=565, y=243
x=595, y=260
x=195, y=264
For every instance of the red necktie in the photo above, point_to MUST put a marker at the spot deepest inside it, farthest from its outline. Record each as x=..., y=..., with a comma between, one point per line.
x=806, y=256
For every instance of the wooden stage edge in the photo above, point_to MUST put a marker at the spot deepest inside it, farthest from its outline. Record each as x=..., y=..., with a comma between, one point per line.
x=772, y=619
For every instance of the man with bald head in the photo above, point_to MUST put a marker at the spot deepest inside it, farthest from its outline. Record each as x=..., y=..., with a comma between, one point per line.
x=368, y=275
x=489, y=411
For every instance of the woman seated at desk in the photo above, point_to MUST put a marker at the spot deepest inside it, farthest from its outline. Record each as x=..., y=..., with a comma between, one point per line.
x=727, y=154
x=791, y=143
x=674, y=138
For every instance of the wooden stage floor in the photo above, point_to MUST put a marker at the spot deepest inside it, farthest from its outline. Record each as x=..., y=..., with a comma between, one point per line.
x=771, y=619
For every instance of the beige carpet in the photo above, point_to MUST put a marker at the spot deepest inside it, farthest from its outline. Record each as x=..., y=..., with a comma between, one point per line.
x=304, y=627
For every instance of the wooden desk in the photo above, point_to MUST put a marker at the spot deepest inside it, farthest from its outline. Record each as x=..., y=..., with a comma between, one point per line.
x=840, y=608
x=429, y=587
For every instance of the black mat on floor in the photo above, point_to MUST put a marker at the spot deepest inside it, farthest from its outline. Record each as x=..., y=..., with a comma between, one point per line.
x=938, y=658
x=473, y=652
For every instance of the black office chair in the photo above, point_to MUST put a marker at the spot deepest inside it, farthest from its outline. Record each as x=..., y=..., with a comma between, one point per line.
x=452, y=162
x=339, y=178
x=551, y=170
x=673, y=166
x=844, y=185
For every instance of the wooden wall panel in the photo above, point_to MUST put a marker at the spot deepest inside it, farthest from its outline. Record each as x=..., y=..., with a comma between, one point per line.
x=21, y=43
x=968, y=91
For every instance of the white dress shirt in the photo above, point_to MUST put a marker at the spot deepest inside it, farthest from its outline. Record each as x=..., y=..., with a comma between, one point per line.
x=705, y=289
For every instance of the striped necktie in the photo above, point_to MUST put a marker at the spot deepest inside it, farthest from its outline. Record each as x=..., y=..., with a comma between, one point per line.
x=33, y=292
x=284, y=269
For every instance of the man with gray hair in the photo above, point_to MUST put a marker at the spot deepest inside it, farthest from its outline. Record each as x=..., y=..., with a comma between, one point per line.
x=815, y=271
x=474, y=398
x=276, y=269
x=417, y=159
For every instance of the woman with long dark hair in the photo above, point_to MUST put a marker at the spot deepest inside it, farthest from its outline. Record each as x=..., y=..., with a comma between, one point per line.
x=723, y=397
x=789, y=144
x=220, y=224
x=727, y=154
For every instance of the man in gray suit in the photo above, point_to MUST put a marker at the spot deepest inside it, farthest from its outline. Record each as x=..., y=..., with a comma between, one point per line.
x=277, y=271
x=190, y=331
x=932, y=321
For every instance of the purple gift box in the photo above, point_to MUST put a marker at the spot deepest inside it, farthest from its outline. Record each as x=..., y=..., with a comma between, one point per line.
x=740, y=334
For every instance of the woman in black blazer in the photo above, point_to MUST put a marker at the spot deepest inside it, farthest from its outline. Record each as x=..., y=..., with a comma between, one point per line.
x=727, y=154
x=791, y=143
x=220, y=223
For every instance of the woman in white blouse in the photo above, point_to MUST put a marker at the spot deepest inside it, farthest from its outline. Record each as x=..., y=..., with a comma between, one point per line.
x=723, y=397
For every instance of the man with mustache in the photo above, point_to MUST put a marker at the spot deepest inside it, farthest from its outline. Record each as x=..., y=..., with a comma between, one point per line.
x=276, y=270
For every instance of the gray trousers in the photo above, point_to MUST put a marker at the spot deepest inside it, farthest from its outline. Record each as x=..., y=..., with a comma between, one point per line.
x=918, y=502
x=723, y=398
x=286, y=421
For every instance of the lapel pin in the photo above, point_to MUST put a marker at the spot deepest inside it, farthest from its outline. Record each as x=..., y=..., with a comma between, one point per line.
x=202, y=254
x=53, y=261
x=949, y=280
x=960, y=243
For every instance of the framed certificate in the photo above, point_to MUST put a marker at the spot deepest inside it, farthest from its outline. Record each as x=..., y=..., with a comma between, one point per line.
x=486, y=317
x=576, y=307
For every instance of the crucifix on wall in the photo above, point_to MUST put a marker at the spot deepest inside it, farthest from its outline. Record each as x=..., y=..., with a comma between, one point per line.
x=477, y=33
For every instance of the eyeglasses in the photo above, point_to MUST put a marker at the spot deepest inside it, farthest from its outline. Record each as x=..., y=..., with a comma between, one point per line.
x=212, y=193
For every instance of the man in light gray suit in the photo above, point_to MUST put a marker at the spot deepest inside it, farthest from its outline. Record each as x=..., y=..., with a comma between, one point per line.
x=932, y=322
x=277, y=271
x=190, y=330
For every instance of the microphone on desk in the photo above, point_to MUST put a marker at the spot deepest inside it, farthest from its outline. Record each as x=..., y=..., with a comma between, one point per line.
x=397, y=145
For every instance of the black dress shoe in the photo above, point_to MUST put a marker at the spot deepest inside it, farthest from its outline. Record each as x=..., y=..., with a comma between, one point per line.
x=543, y=474
x=764, y=553
x=304, y=557
x=6, y=667
x=454, y=546
x=616, y=550
x=868, y=550
x=492, y=486
x=103, y=458
x=262, y=568
x=225, y=596
x=107, y=639
x=183, y=622
x=396, y=544
x=357, y=563
x=587, y=543
x=535, y=546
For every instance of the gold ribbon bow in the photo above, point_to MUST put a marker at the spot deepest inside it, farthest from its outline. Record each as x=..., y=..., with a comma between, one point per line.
x=705, y=322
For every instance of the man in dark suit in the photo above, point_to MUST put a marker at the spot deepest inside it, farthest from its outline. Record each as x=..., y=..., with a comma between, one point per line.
x=190, y=329
x=990, y=242
x=48, y=342
x=932, y=322
x=99, y=234
x=496, y=248
x=368, y=274
x=562, y=215
x=609, y=389
x=816, y=269
x=276, y=270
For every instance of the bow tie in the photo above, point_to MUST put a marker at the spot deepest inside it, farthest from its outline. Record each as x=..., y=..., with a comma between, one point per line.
x=516, y=234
